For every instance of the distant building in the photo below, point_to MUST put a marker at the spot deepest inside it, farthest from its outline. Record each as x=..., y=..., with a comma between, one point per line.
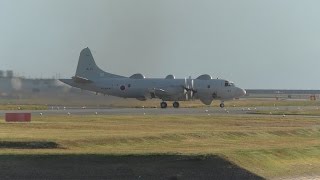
x=13, y=86
x=9, y=74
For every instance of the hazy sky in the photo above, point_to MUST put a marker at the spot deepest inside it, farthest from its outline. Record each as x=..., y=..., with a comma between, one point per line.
x=255, y=43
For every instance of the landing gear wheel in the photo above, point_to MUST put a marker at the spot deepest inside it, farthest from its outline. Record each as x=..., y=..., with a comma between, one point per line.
x=222, y=105
x=176, y=104
x=163, y=105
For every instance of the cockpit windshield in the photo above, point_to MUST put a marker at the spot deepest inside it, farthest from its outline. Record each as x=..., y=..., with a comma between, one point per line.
x=227, y=83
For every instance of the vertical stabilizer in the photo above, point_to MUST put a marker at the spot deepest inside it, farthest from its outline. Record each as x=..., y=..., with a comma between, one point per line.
x=88, y=69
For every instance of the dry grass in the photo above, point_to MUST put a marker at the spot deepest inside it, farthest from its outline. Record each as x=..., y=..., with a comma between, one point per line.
x=302, y=112
x=22, y=107
x=269, y=146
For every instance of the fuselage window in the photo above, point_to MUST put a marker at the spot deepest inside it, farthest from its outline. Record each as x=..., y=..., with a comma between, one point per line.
x=208, y=86
x=129, y=85
x=122, y=88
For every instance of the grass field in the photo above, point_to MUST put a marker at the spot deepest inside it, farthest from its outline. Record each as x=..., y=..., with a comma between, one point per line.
x=270, y=146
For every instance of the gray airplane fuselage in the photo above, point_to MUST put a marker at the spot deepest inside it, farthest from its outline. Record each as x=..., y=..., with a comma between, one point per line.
x=140, y=88
x=90, y=77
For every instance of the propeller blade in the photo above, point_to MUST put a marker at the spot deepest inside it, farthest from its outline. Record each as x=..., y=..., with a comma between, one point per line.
x=192, y=88
x=189, y=90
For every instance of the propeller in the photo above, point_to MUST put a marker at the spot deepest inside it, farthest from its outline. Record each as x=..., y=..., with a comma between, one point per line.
x=189, y=90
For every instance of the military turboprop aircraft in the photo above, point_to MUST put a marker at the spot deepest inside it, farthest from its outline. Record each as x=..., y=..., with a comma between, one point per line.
x=90, y=77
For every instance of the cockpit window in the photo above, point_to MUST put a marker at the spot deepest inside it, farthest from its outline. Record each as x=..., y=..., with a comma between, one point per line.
x=227, y=83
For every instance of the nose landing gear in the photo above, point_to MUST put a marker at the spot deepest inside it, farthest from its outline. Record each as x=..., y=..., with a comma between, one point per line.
x=222, y=105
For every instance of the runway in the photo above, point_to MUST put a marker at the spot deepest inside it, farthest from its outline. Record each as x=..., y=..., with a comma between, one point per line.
x=156, y=111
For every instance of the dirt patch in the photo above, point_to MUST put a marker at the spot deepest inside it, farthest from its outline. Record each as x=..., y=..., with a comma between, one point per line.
x=120, y=167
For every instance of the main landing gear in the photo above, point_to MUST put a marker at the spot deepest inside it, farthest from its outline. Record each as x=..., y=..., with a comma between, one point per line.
x=164, y=105
x=176, y=104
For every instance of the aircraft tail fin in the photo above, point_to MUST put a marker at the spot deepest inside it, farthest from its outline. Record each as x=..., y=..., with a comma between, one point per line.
x=88, y=69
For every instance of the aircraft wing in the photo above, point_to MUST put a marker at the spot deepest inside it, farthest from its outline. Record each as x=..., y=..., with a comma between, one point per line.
x=161, y=93
x=167, y=94
x=157, y=93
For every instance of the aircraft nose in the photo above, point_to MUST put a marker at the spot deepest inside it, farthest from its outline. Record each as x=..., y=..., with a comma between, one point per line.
x=240, y=92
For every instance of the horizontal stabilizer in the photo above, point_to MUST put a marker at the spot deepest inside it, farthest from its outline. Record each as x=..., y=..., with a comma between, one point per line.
x=81, y=80
x=68, y=81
